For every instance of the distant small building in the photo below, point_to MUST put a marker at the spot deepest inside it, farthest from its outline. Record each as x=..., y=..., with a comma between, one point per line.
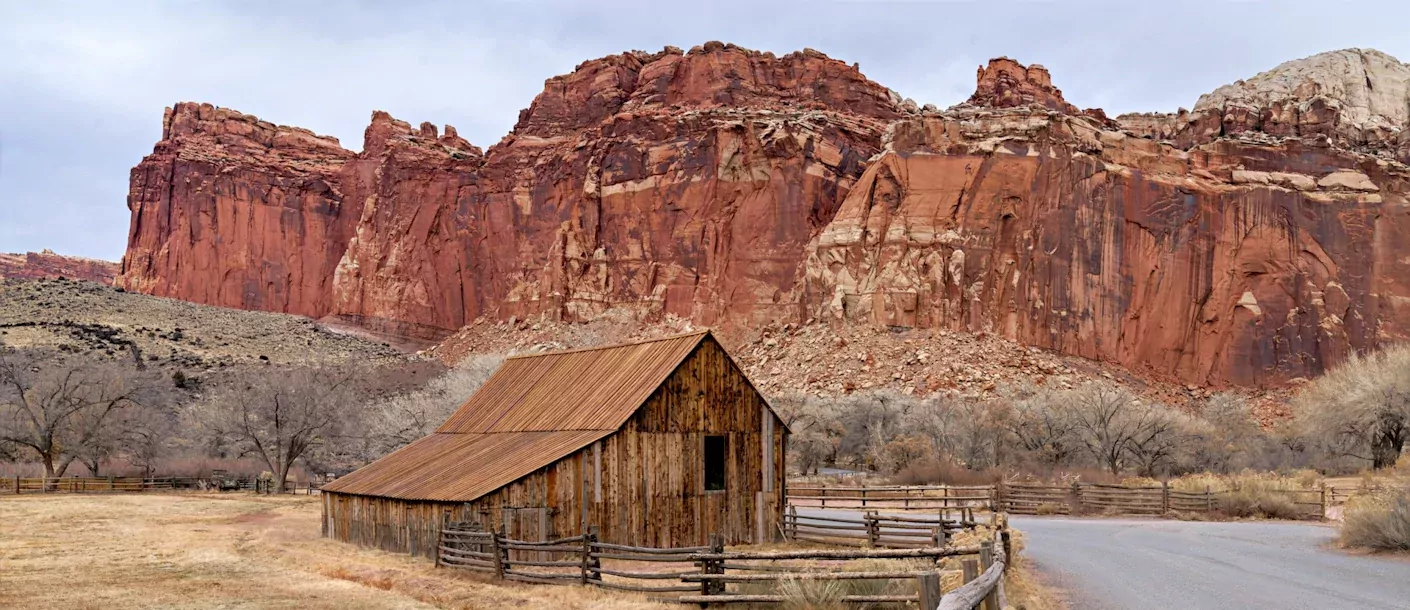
x=657, y=443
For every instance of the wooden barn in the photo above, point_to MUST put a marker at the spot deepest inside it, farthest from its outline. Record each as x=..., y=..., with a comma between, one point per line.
x=657, y=443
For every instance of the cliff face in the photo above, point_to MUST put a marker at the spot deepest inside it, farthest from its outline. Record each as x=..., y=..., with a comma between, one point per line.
x=1358, y=99
x=672, y=182
x=233, y=211
x=737, y=188
x=47, y=264
x=682, y=183
x=1246, y=262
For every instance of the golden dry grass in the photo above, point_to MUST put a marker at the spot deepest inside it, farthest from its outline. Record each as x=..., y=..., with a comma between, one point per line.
x=230, y=551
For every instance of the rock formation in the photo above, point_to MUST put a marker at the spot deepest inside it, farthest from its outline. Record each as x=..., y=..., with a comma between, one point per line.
x=735, y=188
x=1356, y=98
x=671, y=182
x=1246, y=262
x=47, y=264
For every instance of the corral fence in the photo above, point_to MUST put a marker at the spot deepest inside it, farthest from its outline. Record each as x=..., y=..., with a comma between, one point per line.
x=875, y=530
x=75, y=485
x=904, y=497
x=1156, y=500
x=1036, y=499
x=710, y=574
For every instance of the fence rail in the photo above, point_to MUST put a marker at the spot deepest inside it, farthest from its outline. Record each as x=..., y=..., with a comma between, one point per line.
x=874, y=530
x=928, y=497
x=704, y=574
x=984, y=579
x=1031, y=498
x=75, y=485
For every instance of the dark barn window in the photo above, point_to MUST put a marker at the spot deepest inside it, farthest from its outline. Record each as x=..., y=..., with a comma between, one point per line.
x=716, y=450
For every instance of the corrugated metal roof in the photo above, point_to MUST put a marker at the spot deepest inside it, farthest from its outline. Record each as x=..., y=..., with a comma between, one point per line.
x=461, y=467
x=534, y=410
x=584, y=389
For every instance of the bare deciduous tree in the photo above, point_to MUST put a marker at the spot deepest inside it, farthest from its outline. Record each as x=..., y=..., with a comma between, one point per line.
x=406, y=417
x=63, y=407
x=1361, y=409
x=277, y=414
x=1116, y=428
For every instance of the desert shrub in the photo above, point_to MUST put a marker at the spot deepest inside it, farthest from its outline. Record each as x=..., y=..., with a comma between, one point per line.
x=1379, y=521
x=1361, y=409
x=1260, y=501
x=813, y=594
x=806, y=594
x=933, y=470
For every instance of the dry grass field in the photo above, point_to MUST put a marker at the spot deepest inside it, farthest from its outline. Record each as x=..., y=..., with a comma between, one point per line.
x=228, y=551
x=197, y=550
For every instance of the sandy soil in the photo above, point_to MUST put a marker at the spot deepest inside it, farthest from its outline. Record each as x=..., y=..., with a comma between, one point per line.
x=229, y=551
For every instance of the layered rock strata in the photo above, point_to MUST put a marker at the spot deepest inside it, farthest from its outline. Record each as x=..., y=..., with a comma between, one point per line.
x=47, y=264
x=736, y=189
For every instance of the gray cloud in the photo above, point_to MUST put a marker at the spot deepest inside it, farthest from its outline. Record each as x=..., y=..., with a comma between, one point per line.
x=83, y=85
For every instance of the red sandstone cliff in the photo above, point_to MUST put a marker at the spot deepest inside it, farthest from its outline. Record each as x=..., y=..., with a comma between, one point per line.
x=669, y=182
x=47, y=264
x=1234, y=261
x=737, y=188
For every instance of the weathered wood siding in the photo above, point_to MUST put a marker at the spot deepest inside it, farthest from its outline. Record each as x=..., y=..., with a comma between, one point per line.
x=643, y=485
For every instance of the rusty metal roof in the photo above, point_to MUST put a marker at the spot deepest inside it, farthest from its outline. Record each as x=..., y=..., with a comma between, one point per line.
x=534, y=410
x=461, y=467
x=583, y=389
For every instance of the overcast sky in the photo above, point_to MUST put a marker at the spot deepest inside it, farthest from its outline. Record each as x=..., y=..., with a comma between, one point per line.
x=82, y=86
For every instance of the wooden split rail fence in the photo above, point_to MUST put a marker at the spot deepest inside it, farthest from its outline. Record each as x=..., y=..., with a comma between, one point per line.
x=1026, y=499
x=874, y=530
x=928, y=497
x=983, y=586
x=694, y=575
x=1031, y=498
x=43, y=485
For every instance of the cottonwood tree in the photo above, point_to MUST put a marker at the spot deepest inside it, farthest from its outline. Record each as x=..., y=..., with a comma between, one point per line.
x=1042, y=425
x=62, y=407
x=277, y=413
x=403, y=418
x=1116, y=427
x=1361, y=409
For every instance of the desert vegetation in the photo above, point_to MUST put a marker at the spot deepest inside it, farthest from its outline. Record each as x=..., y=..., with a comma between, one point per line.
x=1355, y=417
x=64, y=409
x=1379, y=521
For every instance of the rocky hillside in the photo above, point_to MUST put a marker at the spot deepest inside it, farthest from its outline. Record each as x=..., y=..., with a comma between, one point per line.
x=47, y=264
x=746, y=191
x=112, y=323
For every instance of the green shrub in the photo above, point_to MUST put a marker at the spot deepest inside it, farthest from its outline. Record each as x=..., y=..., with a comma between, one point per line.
x=1379, y=521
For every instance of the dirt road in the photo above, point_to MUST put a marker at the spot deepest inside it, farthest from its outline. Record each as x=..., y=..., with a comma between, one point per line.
x=1127, y=564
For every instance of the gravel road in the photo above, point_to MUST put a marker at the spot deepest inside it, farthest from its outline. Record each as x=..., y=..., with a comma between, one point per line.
x=1129, y=564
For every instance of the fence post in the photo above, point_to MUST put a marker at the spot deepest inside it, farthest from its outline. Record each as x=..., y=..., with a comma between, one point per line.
x=17, y=485
x=929, y=585
x=1006, y=538
x=970, y=570
x=873, y=529
x=986, y=559
x=497, y=553
x=441, y=537
x=864, y=497
x=713, y=566
x=1164, y=497
x=792, y=525
x=1323, y=517
x=590, y=564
